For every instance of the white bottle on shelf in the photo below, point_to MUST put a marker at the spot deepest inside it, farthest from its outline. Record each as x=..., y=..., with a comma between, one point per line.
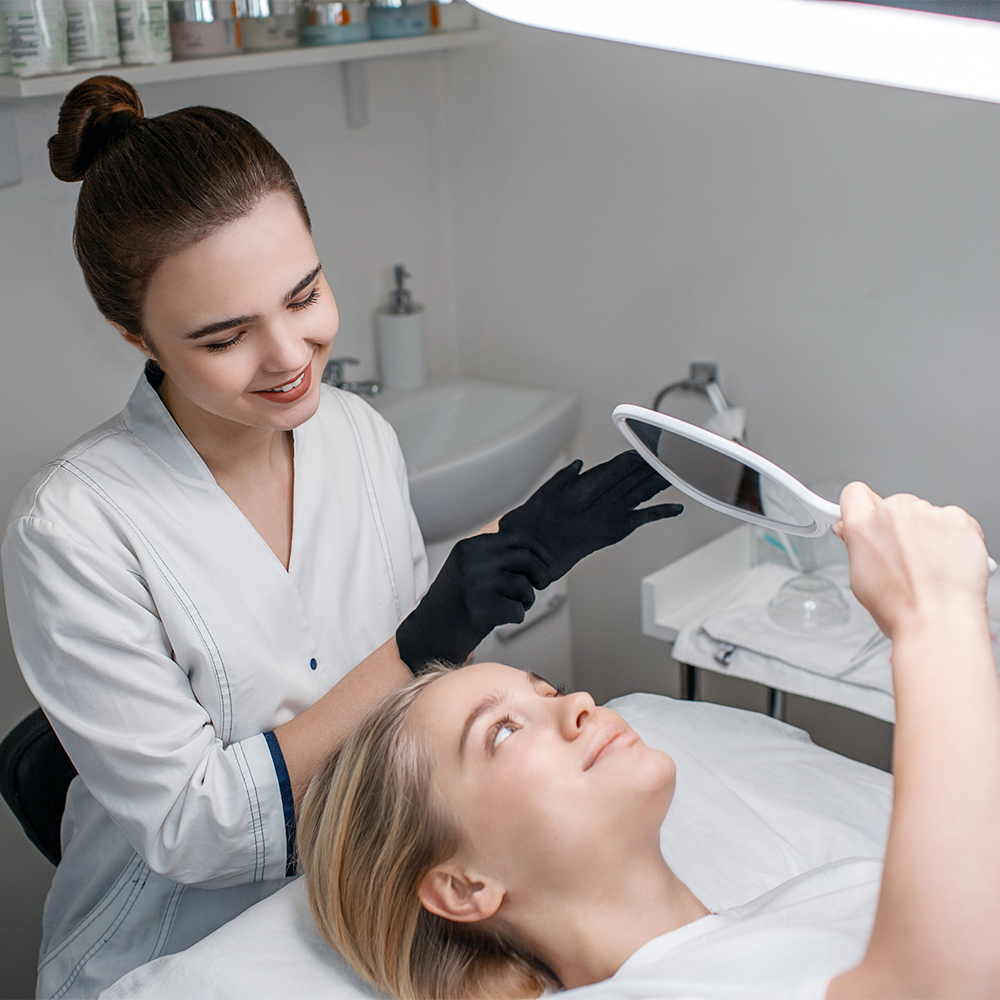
x=401, y=335
x=92, y=32
x=36, y=30
x=144, y=32
x=6, y=65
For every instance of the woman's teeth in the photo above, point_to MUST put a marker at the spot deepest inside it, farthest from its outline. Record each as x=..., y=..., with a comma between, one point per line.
x=290, y=386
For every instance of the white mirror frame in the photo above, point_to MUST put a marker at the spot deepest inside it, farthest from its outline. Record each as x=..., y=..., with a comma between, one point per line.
x=891, y=46
x=824, y=512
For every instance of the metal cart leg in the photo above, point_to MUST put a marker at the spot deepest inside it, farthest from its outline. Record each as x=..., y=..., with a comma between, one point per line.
x=690, y=682
x=777, y=709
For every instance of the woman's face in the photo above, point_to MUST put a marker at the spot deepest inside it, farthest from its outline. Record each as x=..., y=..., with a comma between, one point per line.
x=242, y=322
x=542, y=786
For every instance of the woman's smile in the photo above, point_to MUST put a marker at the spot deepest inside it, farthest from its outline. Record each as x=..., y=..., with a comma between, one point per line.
x=288, y=392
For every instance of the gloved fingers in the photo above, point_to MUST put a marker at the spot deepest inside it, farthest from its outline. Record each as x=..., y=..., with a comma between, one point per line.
x=644, y=489
x=547, y=496
x=635, y=488
x=566, y=476
x=654, y=513
x=525, y=563
x=598, y=481
x=515, y=587
x=507, y=551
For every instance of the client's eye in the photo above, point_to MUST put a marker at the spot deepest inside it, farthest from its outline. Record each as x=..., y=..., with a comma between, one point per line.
x=503, y=730
x=502, y=733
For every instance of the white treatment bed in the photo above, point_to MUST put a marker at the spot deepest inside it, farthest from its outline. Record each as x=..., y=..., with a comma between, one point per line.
x=757, y=803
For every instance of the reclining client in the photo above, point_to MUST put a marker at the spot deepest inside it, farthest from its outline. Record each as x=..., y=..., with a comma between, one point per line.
x=481, y=834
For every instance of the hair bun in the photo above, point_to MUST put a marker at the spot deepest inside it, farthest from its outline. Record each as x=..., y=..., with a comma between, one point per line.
x=94, y=114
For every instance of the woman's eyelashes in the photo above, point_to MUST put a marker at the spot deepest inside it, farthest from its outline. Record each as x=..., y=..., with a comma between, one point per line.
x=504, y=728
x=226, y=343
x=307, y=301
x=233, y=341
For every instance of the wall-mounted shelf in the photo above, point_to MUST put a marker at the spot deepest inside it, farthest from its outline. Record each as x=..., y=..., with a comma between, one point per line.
x=14, y=88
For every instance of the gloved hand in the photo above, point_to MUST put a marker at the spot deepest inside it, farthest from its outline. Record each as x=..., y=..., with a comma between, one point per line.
x=574, y=514
x=487, y=580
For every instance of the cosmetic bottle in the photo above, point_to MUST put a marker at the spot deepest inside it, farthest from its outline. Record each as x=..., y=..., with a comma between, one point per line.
x=36, y=30
x=399, y=18
x=269, y=25
x=200, y=29
x=334, y=23
x=144, y=32
x=92, y=34
x=6, y=65
x=401, y=335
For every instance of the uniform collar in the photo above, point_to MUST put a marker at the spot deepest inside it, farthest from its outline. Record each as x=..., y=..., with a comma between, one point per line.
x=150, y=421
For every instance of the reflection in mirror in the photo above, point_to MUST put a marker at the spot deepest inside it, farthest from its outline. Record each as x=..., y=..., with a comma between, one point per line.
x=720, y=477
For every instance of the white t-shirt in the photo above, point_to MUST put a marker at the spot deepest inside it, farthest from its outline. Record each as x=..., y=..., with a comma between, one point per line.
x=785, y=945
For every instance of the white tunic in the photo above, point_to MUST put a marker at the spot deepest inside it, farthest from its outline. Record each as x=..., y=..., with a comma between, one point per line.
x=165, y=641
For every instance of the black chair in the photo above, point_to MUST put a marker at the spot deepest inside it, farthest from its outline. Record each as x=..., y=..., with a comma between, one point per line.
x=35, y=773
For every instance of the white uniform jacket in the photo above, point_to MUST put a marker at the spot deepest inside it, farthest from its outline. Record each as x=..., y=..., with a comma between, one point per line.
x=165, y=641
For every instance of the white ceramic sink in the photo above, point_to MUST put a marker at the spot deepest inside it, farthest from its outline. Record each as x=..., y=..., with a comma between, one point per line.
x=475, y=449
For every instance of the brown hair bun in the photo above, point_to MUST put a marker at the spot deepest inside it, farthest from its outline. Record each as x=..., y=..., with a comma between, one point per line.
x=94, y=114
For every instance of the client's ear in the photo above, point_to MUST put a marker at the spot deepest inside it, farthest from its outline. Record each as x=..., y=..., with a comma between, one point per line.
x=454, y=894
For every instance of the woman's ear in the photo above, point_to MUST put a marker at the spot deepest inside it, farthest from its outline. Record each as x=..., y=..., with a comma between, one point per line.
x=133, y=339
x=454, y=894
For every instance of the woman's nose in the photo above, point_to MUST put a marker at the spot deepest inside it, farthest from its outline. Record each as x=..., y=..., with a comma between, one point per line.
x=576, y=710
x=284, y=350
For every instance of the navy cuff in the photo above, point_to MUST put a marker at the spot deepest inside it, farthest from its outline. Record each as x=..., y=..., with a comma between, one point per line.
x=287, y=802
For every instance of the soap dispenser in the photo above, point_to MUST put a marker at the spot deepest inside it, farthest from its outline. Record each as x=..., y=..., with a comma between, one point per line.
x=401, y=334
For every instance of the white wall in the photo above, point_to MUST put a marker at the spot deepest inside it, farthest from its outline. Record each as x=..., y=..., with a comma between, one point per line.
x=619, y=212
x=377, y=197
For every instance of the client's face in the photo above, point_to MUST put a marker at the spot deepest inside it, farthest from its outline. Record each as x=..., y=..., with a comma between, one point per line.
x=543, y=786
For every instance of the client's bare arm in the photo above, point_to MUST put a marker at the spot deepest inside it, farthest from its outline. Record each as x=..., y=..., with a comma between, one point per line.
x=921, y=571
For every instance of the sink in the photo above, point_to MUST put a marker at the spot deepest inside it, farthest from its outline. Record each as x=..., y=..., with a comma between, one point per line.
x=475, y=449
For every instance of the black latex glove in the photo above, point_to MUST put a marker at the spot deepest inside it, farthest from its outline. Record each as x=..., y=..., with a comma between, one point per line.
x=574, y=513
x=487, y=580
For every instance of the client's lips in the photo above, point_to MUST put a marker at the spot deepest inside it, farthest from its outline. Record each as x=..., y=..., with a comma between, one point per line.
x=612, y=737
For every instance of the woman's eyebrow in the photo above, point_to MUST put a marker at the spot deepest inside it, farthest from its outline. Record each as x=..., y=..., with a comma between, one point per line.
x=228, y=324
x=308, y=279
x=488, y=703
x=218, y=327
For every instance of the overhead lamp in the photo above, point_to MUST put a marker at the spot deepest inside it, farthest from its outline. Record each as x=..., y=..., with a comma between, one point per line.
x=895, y=47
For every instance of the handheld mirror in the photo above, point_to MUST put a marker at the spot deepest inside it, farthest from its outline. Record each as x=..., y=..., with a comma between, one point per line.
x=724, y=475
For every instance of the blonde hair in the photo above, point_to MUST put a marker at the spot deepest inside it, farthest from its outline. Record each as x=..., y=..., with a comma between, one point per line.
x=368, y=833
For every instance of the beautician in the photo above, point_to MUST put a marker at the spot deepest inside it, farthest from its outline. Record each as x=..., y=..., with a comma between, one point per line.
x=205, y=591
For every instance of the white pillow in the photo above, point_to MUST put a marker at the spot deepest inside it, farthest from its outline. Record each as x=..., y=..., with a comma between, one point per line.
x=757, y=803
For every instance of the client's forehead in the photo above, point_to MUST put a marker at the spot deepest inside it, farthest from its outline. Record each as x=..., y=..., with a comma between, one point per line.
x=440, y=710
x=469, y=682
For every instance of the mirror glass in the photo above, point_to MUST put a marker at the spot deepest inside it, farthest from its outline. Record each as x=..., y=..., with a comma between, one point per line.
x=723, y=479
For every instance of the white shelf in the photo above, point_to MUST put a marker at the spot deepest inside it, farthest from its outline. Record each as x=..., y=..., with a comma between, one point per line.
x=14, y=88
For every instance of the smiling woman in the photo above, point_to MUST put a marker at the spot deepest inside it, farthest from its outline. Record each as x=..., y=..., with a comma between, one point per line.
x=208, y=590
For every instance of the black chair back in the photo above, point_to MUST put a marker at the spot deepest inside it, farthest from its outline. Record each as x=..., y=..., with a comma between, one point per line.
x=35, y=773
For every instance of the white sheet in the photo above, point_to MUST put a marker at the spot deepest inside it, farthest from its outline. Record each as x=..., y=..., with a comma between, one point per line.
x=757, y=804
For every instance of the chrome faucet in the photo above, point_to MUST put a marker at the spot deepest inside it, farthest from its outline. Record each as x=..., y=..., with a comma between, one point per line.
x=333, y=374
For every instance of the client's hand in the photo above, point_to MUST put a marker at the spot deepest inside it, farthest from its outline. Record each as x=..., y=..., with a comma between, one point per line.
x=487, y=580
x=909, y=559
x=574, y=514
